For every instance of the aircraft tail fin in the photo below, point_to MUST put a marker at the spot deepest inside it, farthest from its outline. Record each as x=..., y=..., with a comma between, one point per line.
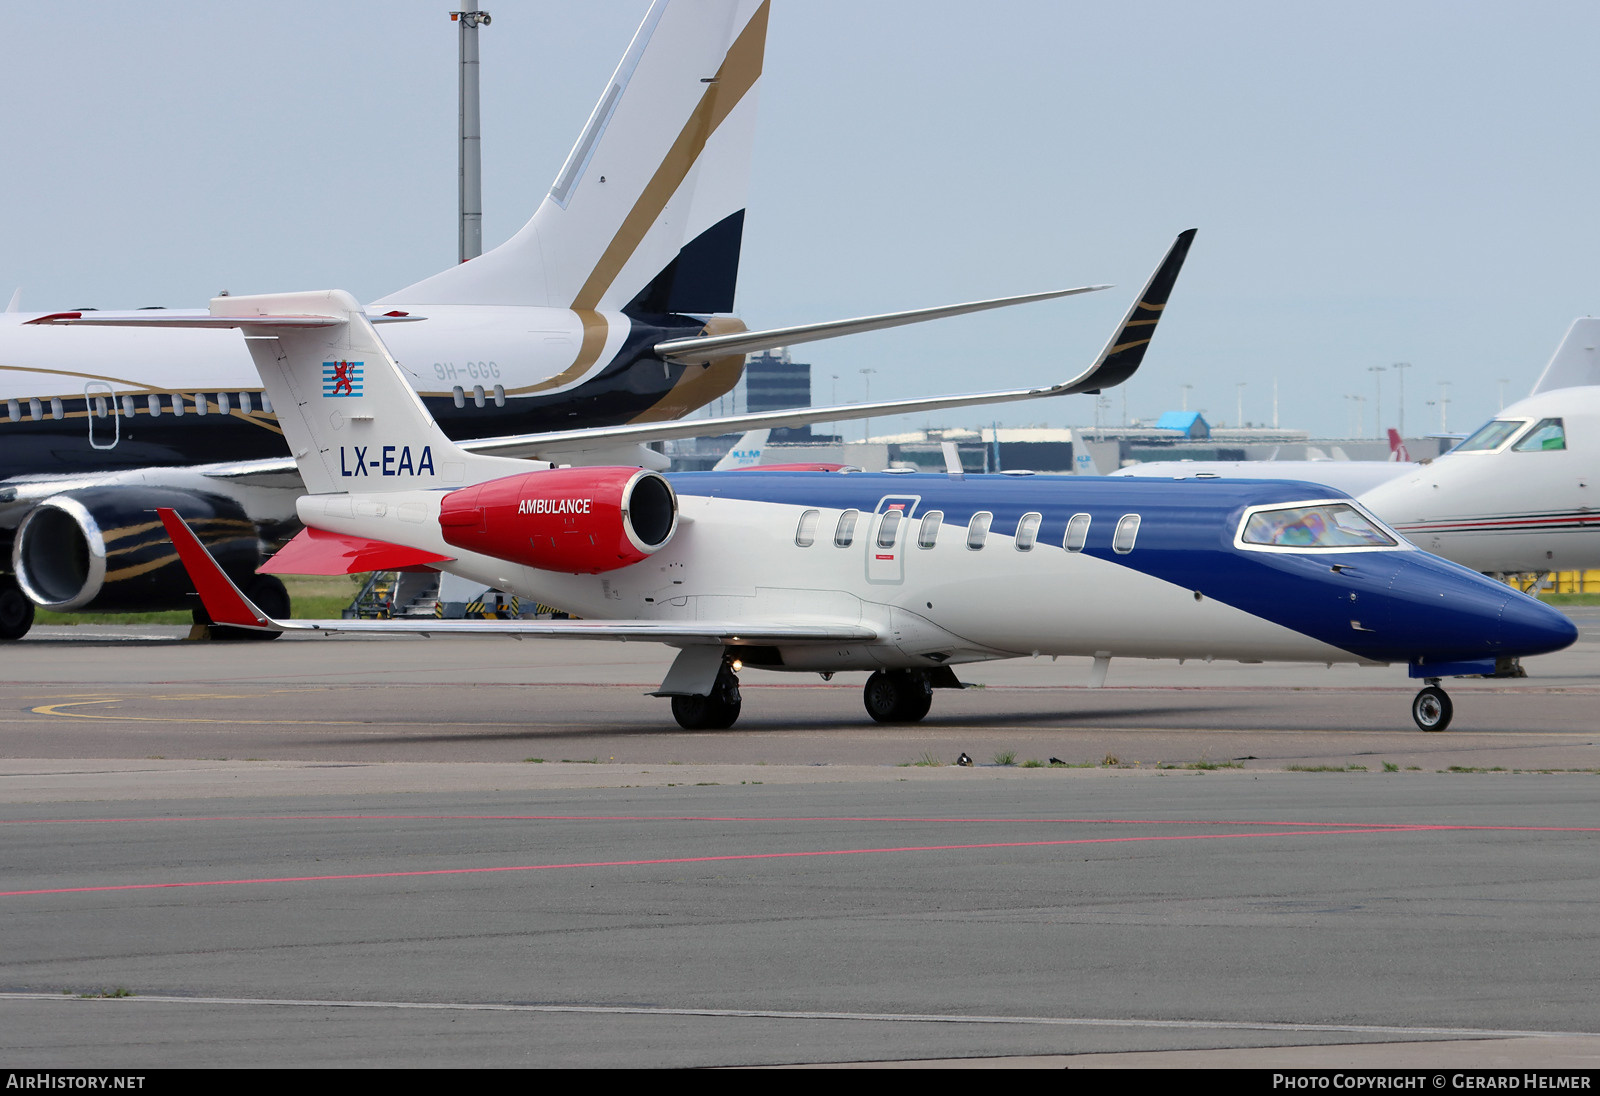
x=746, y=452
x=647, y=214
x=352, y=420
x=1397, y=447
x=1576, y=361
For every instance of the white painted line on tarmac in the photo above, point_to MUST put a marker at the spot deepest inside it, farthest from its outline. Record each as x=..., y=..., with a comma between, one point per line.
x=775, y=1014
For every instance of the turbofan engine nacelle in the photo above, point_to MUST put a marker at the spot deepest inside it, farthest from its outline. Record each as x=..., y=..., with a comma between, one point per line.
x=102, y=548
x=572, y=520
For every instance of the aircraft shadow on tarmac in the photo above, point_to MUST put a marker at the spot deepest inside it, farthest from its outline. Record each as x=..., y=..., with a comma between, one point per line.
x=1170, y=716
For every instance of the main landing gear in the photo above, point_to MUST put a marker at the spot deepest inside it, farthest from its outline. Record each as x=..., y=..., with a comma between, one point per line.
x=716, y=712
x=16, y=611
x=898, y=696
x=1431, y=708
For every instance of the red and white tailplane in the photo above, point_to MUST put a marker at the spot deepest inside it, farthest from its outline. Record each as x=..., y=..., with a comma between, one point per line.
x=1397, y=447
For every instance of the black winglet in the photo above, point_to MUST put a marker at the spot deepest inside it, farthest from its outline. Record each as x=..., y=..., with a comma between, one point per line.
x=1123, y=354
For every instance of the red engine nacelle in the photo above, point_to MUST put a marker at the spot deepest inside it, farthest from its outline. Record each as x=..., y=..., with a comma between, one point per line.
x=574, y=520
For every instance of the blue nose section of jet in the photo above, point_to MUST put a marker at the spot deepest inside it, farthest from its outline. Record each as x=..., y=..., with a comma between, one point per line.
x=1529, y=627
x=1446, y=612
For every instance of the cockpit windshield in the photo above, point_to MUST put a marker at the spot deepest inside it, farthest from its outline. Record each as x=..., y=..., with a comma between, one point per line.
x=1490, y=436
x=1316, y=525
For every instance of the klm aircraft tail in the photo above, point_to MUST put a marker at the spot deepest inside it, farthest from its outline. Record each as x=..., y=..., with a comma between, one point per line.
x=647, y=215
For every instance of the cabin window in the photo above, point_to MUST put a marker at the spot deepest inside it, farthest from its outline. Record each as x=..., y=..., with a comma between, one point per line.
x=130, y=406
x=1028, y=531
x=244, y=402
x=1321, y=525
x=928, y=535
x=13, y=410
x=1547, y=435
x=177, y=404
x=805, y=534
x=889, y=528
x=154, y=403
x=222, y=403
x=56, y=410
x=1077, y=533
x=100, y=408
x=459, y=394
x=477, y=395
x=1127, y=532
x=1490, y=436
x=845, y=534
x=35, y=410
x=201, y=407
x=499, y=395
x=978, y=530
x=266, y=404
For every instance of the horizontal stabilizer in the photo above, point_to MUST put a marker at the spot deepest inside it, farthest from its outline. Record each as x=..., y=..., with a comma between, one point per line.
x=753, y=342
x=319, y=552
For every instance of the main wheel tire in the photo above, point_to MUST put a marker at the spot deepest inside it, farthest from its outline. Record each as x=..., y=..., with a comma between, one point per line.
x=1431, y=709
x=705, y=713
x=16, y=611
x=716, y=712
x=897, y=696
x=270, y=596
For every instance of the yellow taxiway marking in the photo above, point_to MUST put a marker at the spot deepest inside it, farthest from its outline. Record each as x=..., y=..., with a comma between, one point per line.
x=59, y=709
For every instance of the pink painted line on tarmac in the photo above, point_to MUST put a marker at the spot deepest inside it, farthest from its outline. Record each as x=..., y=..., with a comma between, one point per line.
x=785, y=820
x=702, y=860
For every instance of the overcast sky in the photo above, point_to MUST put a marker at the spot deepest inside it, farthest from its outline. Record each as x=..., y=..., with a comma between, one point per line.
x=1373, y=182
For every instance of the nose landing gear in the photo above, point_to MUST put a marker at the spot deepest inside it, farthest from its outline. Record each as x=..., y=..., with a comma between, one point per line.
x=1431, y=708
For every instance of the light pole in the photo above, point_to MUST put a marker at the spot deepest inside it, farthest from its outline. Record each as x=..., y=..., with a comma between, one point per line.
x=1377, y=398
x=1361, y=416
x=866, y=428
x=1400, y=372
x=471, y=156
x=1238, y=413
x=1185, y=403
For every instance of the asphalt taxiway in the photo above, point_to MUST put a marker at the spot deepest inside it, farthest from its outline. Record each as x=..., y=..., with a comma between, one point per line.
x=483, y=852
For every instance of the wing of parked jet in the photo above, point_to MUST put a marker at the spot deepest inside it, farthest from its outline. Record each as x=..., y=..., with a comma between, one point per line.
x=1121, y=357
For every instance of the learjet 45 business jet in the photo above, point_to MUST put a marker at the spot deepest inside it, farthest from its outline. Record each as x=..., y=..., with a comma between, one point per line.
x=904, y=576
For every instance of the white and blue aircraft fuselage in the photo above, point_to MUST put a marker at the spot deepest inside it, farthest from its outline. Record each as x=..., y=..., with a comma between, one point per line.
x=906, y=575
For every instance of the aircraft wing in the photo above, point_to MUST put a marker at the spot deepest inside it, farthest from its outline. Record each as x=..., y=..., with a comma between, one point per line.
x=227, y=605
x=1119, y=360
x=753, y=342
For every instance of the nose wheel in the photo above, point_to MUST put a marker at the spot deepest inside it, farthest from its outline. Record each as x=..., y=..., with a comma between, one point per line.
x=1431, y=708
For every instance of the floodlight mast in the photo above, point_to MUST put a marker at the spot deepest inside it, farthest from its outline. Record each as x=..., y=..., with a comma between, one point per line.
x=471, y=171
